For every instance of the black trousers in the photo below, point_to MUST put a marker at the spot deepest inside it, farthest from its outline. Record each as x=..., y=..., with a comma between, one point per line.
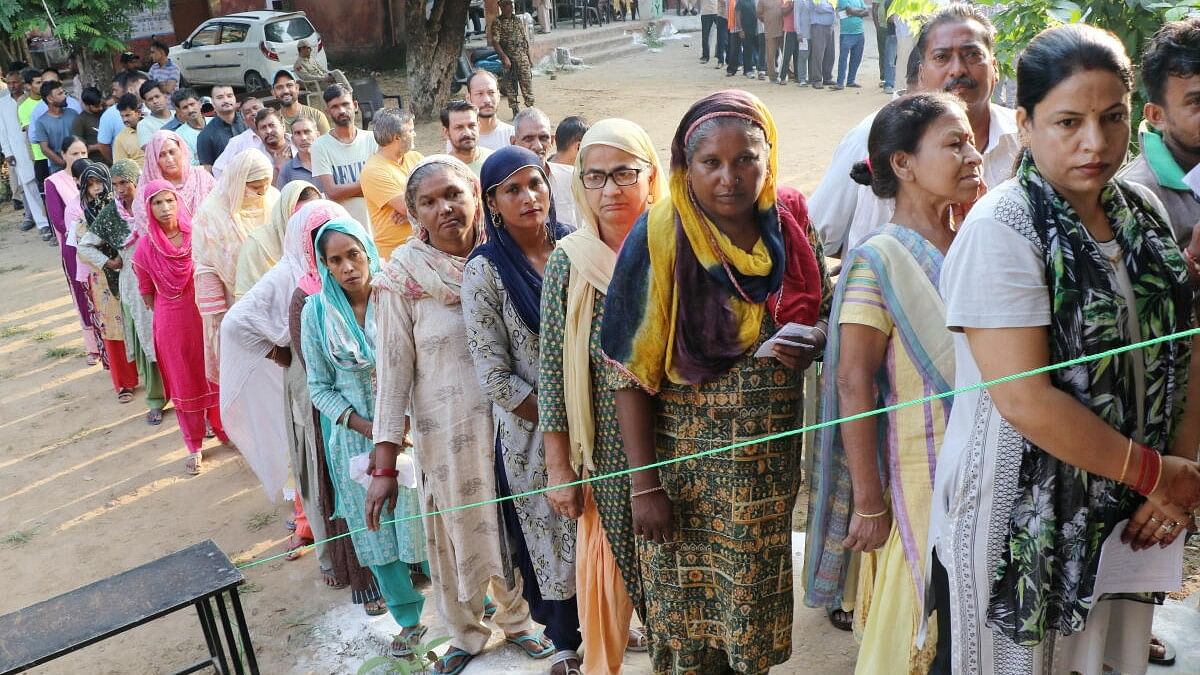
x=743, y=49
x=707, y=22
x=941, y=594
x=41, y=171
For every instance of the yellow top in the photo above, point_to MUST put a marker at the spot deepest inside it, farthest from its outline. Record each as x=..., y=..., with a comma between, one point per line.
x=382, y=181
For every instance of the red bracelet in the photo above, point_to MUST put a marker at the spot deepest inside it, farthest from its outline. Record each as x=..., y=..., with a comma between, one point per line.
x=1150, y=472
x=385, y=473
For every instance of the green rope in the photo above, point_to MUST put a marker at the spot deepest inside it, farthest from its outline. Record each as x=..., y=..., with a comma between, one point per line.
x=764, y=439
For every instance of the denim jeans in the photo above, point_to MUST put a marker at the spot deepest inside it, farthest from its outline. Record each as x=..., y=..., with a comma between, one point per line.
x=850, y=51
x=707, y=22
x=889, y=61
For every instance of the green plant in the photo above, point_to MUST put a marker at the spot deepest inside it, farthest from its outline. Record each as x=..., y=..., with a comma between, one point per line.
x=18, y=538
x=43, y=336
x=650, y=35
x=11, y=331
x=260, y=520
x=410, y=665
x=63, y=352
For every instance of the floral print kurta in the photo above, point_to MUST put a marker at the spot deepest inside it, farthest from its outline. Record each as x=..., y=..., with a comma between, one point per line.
x=506, y=358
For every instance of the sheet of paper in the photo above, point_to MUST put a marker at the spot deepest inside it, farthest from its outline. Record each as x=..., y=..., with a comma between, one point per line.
x=1124, y=570
x=787, y=335
x=404, y=464
x=1193, y=180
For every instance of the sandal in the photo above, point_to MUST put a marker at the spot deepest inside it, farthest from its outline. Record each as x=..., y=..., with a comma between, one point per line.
x=193, y=465
x=638, y=640
x=331, y=580
x=569, y=662
x=1168, y=652
x=406, y=639
x=489, y=607
x=443, y=663
x=377, y=607
x=535, y=646
x=841, y=619
x=154, y=416
x=124, y=395
x=93, y=359
x=296, y=548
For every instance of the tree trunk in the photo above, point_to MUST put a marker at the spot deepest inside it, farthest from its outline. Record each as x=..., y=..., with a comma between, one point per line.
x=434, y=46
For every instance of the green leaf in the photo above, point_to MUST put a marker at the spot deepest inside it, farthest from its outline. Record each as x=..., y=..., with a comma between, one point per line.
x=370, y=666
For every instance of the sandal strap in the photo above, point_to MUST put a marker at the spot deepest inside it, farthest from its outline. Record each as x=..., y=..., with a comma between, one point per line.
x=563, y=656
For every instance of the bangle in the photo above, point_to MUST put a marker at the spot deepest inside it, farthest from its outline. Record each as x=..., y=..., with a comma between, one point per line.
x=385, y=473
x=639, y=493
x=824, y=335
x=881, y=514
x=1150, y=472
x=1125, y=466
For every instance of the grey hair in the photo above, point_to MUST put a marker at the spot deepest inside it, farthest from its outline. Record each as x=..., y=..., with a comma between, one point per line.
x=429, y=168
x=529, y=114
x=387, y=125
x=706, y=127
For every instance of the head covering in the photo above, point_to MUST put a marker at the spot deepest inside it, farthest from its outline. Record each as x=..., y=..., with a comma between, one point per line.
x=418, y=269
x=196, y=183
x=348, y=345
x=93, y=205
x=313, y=216
x=169, y=266
x=692, y=302
x=522, y=282
x=129, y=170
x=227, y=216
x=264, y=245
x=592, y=263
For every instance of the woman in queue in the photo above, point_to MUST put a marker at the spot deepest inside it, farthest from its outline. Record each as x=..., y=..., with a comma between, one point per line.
x=62, y=196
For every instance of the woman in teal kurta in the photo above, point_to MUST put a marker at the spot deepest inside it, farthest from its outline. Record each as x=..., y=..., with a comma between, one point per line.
x=338, y=343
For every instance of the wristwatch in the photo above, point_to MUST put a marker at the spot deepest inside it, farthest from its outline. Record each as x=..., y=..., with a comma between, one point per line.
x=385, y=473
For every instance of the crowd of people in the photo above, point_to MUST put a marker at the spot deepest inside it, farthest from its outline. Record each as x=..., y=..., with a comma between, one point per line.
x=384, y=335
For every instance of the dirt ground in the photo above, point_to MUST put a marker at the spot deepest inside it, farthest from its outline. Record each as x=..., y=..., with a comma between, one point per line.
x=88, y=490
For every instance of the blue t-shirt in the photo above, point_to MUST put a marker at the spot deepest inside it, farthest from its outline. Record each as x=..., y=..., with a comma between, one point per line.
x=54, y=130
x=851, y=25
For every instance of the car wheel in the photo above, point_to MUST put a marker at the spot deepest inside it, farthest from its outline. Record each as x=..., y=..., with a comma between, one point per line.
x=256, y=82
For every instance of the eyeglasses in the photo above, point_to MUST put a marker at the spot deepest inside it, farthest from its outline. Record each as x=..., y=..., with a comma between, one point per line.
x=596, y=180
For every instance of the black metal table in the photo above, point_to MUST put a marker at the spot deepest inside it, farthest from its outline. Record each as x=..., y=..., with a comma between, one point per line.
x=199, y=576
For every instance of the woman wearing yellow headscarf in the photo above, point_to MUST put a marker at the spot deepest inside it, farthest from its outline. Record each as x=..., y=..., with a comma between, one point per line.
x=617, y=177
x=264, y=245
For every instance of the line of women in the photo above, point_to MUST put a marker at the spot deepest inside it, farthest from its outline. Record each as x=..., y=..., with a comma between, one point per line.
x=967, y=533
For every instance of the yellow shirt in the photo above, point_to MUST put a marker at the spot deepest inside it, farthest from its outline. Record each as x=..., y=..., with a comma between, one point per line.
x=383, y=180
x=318, y=118
x=24, y=115
x=126, y=146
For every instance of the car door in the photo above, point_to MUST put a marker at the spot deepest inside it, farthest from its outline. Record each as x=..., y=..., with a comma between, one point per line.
x=197, y=60
x=234, y=52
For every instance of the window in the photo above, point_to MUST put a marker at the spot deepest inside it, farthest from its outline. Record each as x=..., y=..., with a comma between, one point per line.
x=289, y=30
x=207, y=36
x=234, y=33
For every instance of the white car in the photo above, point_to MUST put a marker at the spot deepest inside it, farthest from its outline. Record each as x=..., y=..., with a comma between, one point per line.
x=246, y=49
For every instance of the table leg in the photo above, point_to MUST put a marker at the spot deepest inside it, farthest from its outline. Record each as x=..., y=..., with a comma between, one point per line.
x=207, y=619
x=244, y=629
x=229, y=639
x=208, y=637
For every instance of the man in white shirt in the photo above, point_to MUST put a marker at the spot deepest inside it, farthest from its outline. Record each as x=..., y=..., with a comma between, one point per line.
x=460, y=128
x=956, y=47
x=160, y=111
x=533, y=134
x=247, y=139
x=17, y=153
x=338, y=156
x=483, y=91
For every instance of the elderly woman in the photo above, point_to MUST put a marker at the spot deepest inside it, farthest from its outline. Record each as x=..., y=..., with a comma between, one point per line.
x=62, y=195
x=110, y=242
x=617, y=177
x=169, y=158
x=888, y=344
x=264, y=245
x=163, y=263
x=702, y=281
x=240, y=202
x=1035, y=474
x=424, y=367
x=501, y=298
x=339, y=352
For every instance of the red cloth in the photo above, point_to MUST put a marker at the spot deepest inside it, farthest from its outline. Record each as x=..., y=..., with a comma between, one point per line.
x=799, y=297
x=123, y=371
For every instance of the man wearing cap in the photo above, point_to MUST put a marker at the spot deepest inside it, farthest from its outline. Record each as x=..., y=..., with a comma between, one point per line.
x=223, y=126
x=287, y=92
x=309, y=70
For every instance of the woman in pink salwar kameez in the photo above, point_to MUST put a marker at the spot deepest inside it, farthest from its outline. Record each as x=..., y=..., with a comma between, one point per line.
x=62, y=192
x=163, y=263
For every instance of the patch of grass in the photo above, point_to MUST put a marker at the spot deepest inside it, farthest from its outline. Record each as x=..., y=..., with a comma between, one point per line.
x=43, y=336
x=63, y=352
x=61, y=395
x=260, y=520
x=11, y=268
x=12, y=331
x=18, y=538
x=249, y=587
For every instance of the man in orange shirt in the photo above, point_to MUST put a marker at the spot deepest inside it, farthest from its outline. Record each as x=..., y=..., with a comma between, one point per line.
x=385, y=176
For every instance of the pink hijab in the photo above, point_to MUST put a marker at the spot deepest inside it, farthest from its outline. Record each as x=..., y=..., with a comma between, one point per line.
x=196, y=185
x=169, y=266
x=318, y=213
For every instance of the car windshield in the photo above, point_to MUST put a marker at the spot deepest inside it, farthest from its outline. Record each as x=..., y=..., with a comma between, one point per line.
x=289, y=30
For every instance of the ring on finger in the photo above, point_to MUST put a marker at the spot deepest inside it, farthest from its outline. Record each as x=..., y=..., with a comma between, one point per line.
x=1154, y=520
x=1169, y=526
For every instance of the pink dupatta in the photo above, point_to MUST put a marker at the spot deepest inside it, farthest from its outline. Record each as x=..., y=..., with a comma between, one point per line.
x=169, y=266
x=196, y=185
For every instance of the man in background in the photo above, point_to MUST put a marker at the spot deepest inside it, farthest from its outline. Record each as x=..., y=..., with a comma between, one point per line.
x=54, y=126
x=125, y=143
x=385, y=178
x=247, y=139
x=287, y=92
x=164, y=71
x=188, y=122
x=567, y=138
x=111, y=124
x=277, y=144
x=312, y=72
x=339, y=156
x=483, y=91
x=160, y=112
x=460, y=128
x=533, y=134
x=299, y=167
x=87, y=125
x=222, y=127
x=17, y=155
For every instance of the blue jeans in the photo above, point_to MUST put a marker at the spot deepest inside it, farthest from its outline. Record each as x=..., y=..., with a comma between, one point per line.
x=889, y=61
x=850, y=48
x=709, y=22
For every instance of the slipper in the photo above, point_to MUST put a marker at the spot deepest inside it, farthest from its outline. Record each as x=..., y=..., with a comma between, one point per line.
x=402, y=645
x=638, y=641
x=535, y=646
x=331, y=580
x=296, y=547
x=1168, y=657
x=443, y=663
x=841, y=619
x=154, y=416
x=125, y=396
x=489, y=607
x=193, y=464
x=375, y=607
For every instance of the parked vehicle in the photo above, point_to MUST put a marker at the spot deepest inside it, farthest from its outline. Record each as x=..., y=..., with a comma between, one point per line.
x=245, y=49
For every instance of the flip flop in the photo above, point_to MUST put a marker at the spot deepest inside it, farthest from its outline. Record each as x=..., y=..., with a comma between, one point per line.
x=295, y=546
x=489, y=607
x=154, y=416
x=841, y=619
x=1168, y=657
x=125, y=396
x=402, y=645
x=527, y=643
x=375, y=607
x=443, y=663
x=193, y=464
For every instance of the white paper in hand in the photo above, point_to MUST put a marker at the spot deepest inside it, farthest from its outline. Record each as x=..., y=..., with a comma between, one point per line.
x=1193, y=180
x=404, y=464
x=1124, y=570
x=787, y=335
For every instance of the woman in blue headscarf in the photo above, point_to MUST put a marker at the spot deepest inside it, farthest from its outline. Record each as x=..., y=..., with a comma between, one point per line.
x=339, y=351
x=501, y=297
